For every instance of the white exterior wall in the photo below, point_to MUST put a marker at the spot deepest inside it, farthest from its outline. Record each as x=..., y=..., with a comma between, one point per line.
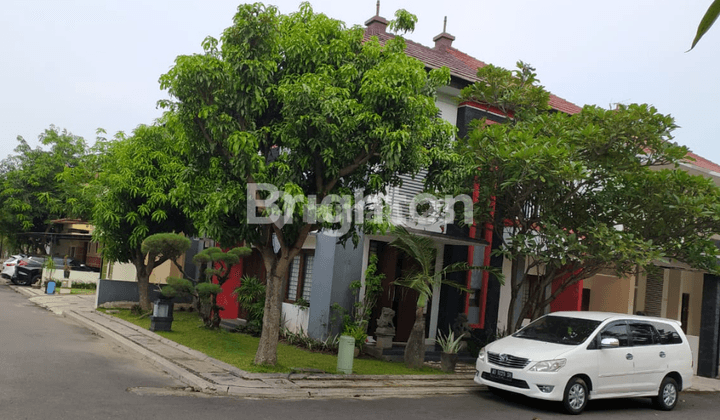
x=75, y=276
x=448, y=107
x=121, y=271
x=295, y=318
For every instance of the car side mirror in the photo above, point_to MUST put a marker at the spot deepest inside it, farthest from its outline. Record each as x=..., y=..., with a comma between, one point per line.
x=607, y=343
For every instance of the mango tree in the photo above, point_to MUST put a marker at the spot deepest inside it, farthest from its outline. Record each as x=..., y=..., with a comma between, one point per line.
x=133, y=200
x=303, y=106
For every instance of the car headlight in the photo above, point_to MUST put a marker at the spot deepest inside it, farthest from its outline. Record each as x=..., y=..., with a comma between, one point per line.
x=548, y=365
x=481, y=354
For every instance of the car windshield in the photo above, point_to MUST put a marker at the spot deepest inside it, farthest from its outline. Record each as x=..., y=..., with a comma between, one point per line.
x=559, y=329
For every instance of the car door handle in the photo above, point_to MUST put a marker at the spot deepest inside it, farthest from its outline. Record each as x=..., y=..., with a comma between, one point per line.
x=662, y=354
x=629, y=356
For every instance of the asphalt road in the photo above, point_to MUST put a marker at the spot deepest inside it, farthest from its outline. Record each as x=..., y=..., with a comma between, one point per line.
x=51, y=368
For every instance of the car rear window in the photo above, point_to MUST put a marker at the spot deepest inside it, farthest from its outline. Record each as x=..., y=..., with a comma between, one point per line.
x=559, y=329
x=667, y=333
x=643, y=334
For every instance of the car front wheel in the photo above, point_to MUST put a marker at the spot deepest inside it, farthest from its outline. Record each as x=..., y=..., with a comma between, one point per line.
x=575, y=397
x=667, y=395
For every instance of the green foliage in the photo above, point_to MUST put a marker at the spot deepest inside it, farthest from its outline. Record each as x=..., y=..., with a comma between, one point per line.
x=707, y=21
x=302, y=303
x=424, y=279
x=216, y=256
x=169, y=245
x=207, y=290
x=251, y=296
x=298, y=101
x=571, y=195
x=32, y=190
x=238, y=349
x=515, y=93
x=358, y=332
x=364, y=305
x=340, y=315
x=404, y=22
x=178, y=287
x=448, y=343
x=138, y=174
x=301, y=339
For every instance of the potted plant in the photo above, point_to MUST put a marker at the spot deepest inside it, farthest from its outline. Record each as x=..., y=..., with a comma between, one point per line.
x=66, y=268
x=450, y=346
x=49, y=269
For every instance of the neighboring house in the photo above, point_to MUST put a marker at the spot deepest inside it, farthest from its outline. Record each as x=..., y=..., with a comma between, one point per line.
x=73, y=238
x=674, y=291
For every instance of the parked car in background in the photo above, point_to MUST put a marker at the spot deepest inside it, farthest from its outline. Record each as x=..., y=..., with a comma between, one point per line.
x=28, y=271
x=574, y=357
x=8, y=269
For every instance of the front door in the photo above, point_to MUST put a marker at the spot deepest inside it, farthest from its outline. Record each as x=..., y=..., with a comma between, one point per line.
x=403, y=301
x=615, y=365
x=651, y=361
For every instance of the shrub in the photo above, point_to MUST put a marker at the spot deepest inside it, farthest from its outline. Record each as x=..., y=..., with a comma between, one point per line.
x=251, y=296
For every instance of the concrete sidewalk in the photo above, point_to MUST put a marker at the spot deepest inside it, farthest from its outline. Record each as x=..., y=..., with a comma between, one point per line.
x=209, y=375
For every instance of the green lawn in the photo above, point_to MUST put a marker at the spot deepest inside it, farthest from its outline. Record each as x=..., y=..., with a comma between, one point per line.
x=76, y=291
x=239, y=349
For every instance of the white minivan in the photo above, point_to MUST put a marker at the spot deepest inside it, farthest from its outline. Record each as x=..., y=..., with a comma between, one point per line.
x=574, y=357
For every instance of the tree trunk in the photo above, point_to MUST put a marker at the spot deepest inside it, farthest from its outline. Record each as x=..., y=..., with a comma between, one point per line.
x=143, y=280
x=267, y=348
x=215, y=312
x=415, y=349
x=514, y=289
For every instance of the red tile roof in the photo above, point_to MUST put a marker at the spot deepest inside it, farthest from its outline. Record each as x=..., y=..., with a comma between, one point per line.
x=465, y=67
x=701, y=162
x=461, y=66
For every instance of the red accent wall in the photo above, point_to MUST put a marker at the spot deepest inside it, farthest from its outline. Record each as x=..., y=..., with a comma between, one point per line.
x=570, y=299
x=226, y=299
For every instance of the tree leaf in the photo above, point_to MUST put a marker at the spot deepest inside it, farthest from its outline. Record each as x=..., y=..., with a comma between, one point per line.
x=707, y=22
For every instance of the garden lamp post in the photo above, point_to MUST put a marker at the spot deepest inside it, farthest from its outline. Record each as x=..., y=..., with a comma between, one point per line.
x=162, y=317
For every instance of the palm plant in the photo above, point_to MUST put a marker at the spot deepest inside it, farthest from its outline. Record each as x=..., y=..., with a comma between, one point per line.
x=424, y=280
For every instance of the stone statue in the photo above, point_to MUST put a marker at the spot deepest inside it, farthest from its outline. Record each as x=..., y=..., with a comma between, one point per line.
x=385, y=331
x=461, y=327
x=385, y=324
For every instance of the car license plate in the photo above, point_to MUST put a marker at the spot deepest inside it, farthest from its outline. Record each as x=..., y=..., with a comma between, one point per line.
x=501, y=374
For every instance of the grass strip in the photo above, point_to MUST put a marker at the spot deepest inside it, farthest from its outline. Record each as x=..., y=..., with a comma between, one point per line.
x=239, y=349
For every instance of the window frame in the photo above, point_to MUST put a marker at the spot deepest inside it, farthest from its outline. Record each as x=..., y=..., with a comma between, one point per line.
x=301, y=276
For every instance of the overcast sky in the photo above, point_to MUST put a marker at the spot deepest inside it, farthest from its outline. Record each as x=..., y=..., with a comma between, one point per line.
x=82, y=64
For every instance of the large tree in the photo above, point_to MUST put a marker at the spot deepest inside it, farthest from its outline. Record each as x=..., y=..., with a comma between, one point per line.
x=305, y=104
x=571, y=195
x=33, y=192
x=132, y=199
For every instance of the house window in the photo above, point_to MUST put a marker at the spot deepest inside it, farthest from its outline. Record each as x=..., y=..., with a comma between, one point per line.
x=307, y=284
x=294, y=279
x=300, y=277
